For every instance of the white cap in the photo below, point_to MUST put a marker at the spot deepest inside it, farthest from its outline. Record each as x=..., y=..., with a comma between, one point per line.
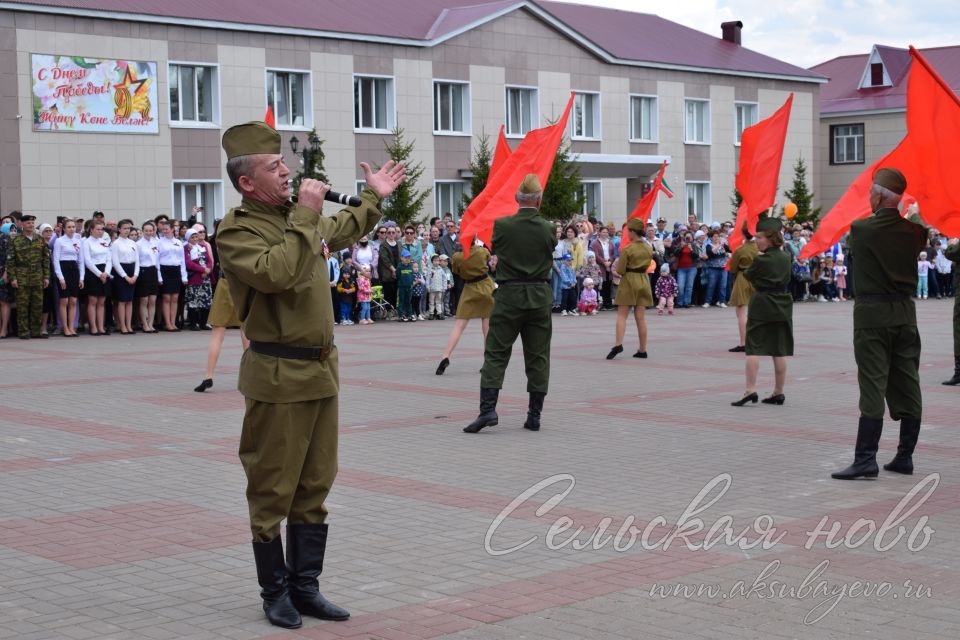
x=188, y=234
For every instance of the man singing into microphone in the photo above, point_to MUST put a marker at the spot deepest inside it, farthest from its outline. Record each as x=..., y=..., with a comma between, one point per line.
x=271, y=250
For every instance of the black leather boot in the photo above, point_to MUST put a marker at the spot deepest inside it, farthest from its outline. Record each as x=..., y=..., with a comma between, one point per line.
x=488, y=411
x=306, y=546
x=272, y=576
x=955, y=380
x=903, y=461
x=534, y=407
x=865, y=456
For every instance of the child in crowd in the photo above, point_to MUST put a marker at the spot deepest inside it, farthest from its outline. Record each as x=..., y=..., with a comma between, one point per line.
x=363, y=294
x=347, y=291
x=445, y=265
x=417, y=291
x=826, y=292
x=590, y=269
x=568, y=287
x=840, y=277
x=404, y=286
x=589, y=300
x=666, y=290
x=436, y=286
x=923, y=270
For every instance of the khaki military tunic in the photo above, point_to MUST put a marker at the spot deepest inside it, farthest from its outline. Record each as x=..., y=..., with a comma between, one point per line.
x=741, y=260
x=634, y=289
x=953, y=253
x=29, y=264
x=770, y=314
x=476, y=299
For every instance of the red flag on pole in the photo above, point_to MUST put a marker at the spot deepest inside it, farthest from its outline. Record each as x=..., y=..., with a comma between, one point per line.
x=268, y=117
x=645, y=204
x=761, y=153
x=500, y=153
x=535, y=154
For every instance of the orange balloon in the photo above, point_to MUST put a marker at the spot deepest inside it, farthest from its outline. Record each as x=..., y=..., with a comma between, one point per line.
x=789, y=210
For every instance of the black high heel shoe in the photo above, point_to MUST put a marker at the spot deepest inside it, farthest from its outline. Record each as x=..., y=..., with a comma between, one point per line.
x=776, y=399
x=640, y=354
x=617, y=350
x=203, y=386
x=443, y=366
x=750, y=397
x=738, y=349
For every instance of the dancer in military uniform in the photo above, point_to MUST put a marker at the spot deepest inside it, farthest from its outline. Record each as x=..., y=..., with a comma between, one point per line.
x=742, y=289
x=770, y=313
x=270, y=250
x=476, y=299
x=634, y=289
x=28, y=271
x=524, y=245
x=886, y=342
x=952, y=252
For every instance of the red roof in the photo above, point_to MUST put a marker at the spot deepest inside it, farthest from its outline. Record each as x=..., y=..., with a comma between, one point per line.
x=624, y=35
x=842, y=94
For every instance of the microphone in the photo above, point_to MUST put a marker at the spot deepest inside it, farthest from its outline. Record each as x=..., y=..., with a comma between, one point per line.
x=339, y=198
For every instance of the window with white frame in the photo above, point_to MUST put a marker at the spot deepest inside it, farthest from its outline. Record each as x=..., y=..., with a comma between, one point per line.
x=205, y=194
x=846, y=143
x=585, y=120
x=697, y=118
x=289, y=95
x=747, y=114
x=373, y=103
x=522, y=110
x=643, y=118
x=193, y=93
x=451, y=107
x=592, y=200
x=448, y=196
x=698, y=200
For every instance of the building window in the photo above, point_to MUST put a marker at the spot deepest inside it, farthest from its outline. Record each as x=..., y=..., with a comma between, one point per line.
x=205, y=194
x=876, y=74
x=697, y=121
x=643, y=119
x=289, y=95
x=448, y=197
x=846, y=144
x=585, y=122
x=698, y=200
x=373, y=103
x=451, y=107
x=193, y=93
x=746, y=117
x=592, y=201
x=522, y=110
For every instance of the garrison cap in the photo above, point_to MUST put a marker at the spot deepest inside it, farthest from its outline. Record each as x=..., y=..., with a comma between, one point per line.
x=251, y=138
x=635, y=225
x=769, y=225
x=27, y=217
x=890, y=178
x=531, y=184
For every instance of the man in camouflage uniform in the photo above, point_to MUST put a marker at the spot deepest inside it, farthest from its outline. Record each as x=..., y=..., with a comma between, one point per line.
x=28, y=268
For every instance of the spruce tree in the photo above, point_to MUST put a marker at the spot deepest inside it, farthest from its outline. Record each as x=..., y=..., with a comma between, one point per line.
x=312, y=163
x=480, y=168
x=563, y=197
x=801, y=195
x=406, y=202
x=735, y=201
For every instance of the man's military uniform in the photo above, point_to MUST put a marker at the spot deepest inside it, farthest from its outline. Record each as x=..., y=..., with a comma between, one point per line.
x=953, y=253
x=272, y=259
x=523, y=244
x=29, y=265
x=886, y=342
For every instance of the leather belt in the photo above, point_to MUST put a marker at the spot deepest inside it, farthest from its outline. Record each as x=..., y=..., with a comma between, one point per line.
x=522, y=281
x=291, y=352
x=882, y=297
x=771, y=290
x=637, y=270
x=477, y=279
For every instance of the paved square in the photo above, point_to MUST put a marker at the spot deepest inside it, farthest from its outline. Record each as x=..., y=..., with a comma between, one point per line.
x=122, y=511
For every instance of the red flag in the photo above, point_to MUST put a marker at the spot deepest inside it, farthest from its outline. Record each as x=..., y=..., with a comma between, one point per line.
x=535, y=154
x=500, y=153
x=268, y=117
x=761, y=153
x=645, y=204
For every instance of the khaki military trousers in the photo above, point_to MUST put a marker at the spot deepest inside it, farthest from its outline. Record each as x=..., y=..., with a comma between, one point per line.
x=534, y=328
x=29, y=308
x=289, y=453
x=888, y=365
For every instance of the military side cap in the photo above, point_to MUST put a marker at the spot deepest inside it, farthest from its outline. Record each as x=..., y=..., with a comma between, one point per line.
x=769, y=225
x=891, y=179
x=27, y=217
x=635, y=225
x=531, y=184
x=251, y=138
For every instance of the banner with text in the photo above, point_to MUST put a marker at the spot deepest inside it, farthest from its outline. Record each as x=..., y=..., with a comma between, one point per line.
x=77, y=94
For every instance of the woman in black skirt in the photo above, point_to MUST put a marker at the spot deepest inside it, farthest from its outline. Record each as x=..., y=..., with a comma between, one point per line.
x=126, y=266
x=148, y=284
x=173, y=273
x=68, y=265
x=97, y=263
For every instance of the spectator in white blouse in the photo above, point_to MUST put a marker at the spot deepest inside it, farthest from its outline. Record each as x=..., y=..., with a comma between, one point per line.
x=98, y=264
x=126, y=265
x=173, y=274
x=148, y=284
x=68, y=265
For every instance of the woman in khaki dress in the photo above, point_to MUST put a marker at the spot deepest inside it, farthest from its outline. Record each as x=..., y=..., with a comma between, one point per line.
x=634, y=289
x=476, y=299
x=742, y=289
x=222, y=315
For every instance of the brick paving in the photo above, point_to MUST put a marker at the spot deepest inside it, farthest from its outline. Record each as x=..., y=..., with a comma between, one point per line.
x=122, y=512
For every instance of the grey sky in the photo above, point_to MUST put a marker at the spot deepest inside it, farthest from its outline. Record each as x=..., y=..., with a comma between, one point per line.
x=813, y=31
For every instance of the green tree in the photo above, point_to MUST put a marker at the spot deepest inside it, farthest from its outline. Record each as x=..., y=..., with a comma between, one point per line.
x=735, y=201
x=312, y=161
x=563, y=197
x=406, y=202
x=480, y=168
x=801, y=195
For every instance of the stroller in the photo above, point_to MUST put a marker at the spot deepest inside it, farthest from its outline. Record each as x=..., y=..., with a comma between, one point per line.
x=380, y=309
